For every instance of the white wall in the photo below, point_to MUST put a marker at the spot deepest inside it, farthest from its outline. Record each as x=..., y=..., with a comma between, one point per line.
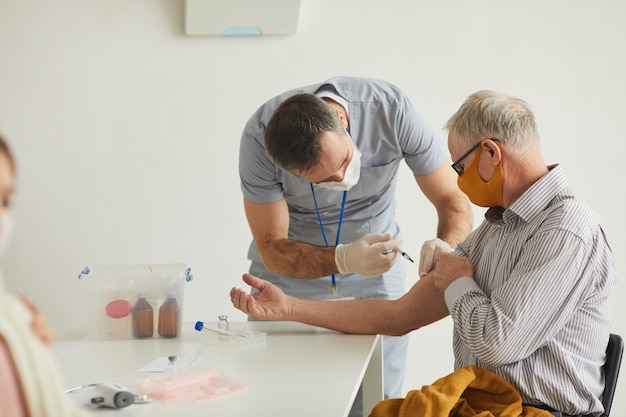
x=126, y=131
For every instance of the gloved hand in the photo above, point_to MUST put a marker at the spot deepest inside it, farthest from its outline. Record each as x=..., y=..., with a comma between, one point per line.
x=429, y=251
x=370, y=255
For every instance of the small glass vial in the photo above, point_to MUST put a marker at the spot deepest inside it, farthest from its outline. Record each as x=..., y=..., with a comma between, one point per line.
x=143, y=324
x=172, y=364
x=222, y=322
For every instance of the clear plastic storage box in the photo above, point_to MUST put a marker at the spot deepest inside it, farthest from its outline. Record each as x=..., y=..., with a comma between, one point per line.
x=135, y=301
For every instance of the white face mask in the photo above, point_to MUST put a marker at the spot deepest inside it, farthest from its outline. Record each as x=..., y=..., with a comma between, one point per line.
x=6, y=231
x=351, y=177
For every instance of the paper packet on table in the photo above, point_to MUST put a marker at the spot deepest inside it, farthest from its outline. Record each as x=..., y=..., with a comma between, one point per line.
x=192, y=384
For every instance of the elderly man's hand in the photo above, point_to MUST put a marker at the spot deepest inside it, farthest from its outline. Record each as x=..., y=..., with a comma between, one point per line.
x=449, y=268
x=269, y=303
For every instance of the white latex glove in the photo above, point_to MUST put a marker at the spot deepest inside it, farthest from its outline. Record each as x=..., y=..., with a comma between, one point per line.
x=429, y=251
x=370, y=255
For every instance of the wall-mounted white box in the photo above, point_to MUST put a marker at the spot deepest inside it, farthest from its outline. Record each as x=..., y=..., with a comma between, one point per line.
x=241, y=17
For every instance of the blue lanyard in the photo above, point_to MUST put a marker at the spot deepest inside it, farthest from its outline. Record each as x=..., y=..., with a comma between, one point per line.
x=319, y=219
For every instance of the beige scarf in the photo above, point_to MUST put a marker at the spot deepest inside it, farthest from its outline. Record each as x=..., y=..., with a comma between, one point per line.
x=39, y=375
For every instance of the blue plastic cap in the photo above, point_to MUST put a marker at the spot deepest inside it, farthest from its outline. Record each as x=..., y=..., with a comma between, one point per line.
x=86, y=270
x=199, y=325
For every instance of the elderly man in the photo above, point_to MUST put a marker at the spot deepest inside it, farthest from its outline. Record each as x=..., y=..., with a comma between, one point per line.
x=528, y=290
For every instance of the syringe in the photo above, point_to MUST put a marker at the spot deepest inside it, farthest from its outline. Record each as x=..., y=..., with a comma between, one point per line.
x=243, y=336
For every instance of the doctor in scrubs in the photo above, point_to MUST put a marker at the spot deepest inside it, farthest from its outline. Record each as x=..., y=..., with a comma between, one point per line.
x=319, y=168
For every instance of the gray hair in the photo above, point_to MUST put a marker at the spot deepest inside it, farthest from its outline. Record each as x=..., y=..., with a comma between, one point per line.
x=292, y=134
x=489, y=114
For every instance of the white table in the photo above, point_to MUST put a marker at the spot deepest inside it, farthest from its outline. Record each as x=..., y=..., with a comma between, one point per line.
x=300, y=370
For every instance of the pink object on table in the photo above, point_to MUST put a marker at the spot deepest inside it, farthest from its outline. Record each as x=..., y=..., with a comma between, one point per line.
x=118, y=309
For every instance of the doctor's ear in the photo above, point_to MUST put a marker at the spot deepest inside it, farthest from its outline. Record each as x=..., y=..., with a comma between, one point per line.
x=343, y=118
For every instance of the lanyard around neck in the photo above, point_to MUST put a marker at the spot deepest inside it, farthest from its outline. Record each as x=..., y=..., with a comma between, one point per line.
x=319, y=219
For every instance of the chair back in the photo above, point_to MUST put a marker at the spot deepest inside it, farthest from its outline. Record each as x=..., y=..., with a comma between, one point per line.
x=614, y=352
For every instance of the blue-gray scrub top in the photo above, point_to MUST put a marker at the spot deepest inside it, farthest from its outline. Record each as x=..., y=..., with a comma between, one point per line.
x=387, y=129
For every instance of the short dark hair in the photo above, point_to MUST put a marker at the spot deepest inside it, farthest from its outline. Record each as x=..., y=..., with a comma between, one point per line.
x=292, y=134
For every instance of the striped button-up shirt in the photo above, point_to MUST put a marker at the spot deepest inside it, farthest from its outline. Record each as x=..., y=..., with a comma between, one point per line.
x=536, y=310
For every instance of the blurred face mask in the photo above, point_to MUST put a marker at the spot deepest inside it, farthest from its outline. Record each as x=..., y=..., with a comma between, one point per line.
x=350, y=178
x=482, y=193
x=6, y=230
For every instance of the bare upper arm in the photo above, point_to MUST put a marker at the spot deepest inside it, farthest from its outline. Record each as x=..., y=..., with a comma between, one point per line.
x=269, y=222
x=440, y=185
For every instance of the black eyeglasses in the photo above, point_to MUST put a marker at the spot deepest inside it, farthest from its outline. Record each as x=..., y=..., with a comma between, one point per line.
x=457, y=164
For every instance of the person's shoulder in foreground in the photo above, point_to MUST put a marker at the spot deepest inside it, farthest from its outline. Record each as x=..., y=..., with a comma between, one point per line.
x=30, y=381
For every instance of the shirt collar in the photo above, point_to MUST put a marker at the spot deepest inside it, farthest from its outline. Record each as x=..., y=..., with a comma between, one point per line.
x=534, y=199
x=327, y=90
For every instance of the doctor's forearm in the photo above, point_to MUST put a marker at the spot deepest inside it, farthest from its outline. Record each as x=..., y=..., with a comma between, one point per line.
x=299, y=260
x=455, y=221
